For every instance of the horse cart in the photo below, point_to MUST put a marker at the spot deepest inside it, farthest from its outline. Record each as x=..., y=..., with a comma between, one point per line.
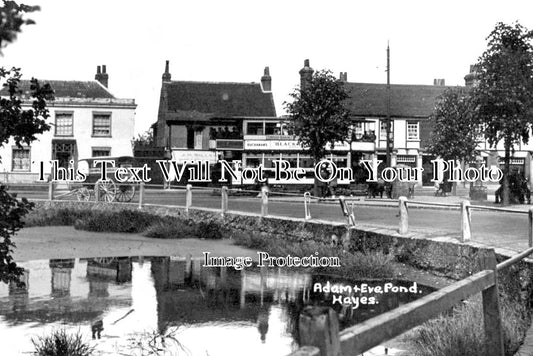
x=94, y=187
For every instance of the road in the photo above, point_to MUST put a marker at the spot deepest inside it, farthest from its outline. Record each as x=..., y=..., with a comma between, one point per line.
x=493, y=228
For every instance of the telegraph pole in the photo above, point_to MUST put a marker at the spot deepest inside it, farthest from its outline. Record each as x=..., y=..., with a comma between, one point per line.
x=388, y=121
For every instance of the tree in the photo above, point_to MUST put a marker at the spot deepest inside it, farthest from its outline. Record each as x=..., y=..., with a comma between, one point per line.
x=318, y=115
x=12, y=19
x=455, y=129
x=146, y=139
x=503, y=96
x=18, y=124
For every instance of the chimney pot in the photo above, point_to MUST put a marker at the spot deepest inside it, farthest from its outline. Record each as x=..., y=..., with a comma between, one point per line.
x=167, y=76
x=471, y=78
x=101, y=75
x=266, y=80
x=306, y=75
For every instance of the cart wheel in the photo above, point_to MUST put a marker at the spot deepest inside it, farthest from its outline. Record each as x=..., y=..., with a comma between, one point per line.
x=83, y=194
x=125, y=193
x=106, y=190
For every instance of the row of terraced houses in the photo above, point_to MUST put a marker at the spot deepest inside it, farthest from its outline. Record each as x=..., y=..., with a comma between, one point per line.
x=235, y=122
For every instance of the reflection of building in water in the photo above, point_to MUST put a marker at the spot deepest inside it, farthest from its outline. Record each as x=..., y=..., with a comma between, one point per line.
x=188, y=293
x=102, y=270
x=281, y=284
x=58, y=293
x=18, y=291
x=61, y=276
x=214, y=295
x=117, y=269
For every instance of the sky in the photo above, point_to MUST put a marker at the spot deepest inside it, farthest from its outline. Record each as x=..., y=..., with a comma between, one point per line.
x=233, y=40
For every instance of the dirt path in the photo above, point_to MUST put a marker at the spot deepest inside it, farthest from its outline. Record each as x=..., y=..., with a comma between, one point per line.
x=65, y=242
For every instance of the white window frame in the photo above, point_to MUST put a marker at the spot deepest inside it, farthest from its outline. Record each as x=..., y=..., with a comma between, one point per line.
x=410, y=134
x=13, y=165
x=64, y=114
x=102, y=114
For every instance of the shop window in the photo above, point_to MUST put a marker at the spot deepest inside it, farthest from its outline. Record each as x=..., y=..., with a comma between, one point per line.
x=254, y=128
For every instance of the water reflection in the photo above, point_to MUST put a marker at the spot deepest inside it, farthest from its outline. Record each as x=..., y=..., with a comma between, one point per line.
x=218, y=311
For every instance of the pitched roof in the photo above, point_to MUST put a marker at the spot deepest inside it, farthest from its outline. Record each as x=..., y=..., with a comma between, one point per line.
x=69, y=89
x=405, y=100
x=218, y=99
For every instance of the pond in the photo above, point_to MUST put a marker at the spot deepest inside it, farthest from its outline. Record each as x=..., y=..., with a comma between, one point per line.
x=201, y=310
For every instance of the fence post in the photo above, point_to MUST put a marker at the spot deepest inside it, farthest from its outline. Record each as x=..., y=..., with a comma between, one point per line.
x=404, y=217
x=530, y=220
x=188, y=198
x=141, y=195
x=307, y=208
x=264, y=201
x=491, y=310
x=51, y=190
x=466, y=232
x=319, y=326
x=224, y=207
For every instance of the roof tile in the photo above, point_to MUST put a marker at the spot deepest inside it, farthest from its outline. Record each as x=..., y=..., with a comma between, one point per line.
x=219, y=99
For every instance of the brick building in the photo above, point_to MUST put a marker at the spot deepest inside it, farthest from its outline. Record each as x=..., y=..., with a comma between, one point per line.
x=204, y=120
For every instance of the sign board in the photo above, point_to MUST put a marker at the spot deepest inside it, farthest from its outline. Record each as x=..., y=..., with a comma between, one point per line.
x=180, y=156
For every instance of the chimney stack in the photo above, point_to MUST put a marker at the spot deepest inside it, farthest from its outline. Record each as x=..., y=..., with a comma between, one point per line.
x=343, y=77
x=166, y=76
x=102, y=76
x=439, y=82
x=266, y=81
x=306, y=75
x=472, y=77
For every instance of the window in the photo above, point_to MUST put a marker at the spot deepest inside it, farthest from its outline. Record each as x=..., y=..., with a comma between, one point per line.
x=271, y=128
x=383, y=129
x=358, y=130
x=64, y=124
x=198, y=140
x=102, y=124
x=254, y=128
x=21, y=159
x=101, y=151
x=412, y=130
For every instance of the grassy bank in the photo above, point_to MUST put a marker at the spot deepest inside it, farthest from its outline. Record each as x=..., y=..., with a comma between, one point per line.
x=462, y=331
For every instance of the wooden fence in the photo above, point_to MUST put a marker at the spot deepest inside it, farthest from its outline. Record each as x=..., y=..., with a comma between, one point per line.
x=317, y=325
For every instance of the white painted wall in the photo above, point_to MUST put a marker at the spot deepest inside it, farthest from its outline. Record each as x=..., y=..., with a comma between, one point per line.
x=122, y=132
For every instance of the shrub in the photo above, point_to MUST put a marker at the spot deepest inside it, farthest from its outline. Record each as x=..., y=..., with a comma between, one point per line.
x=61, y=343
x=209, y=230
x=124, y=221
x=175, y=228
x=54, y=217
x=170, y=229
